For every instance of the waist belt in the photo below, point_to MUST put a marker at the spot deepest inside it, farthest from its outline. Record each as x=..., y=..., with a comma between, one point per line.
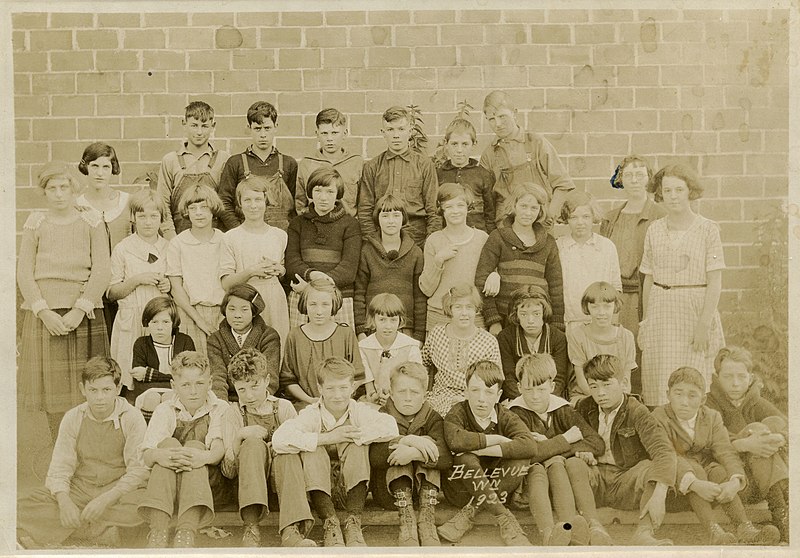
x=668, y=287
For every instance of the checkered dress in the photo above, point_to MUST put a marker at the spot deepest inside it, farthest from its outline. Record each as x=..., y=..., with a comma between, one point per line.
x=677, y=258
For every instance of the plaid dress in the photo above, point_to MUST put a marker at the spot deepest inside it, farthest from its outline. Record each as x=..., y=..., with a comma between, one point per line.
x=665, y=336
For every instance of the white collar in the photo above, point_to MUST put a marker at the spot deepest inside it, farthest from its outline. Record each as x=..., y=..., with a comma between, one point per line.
x=329, y=422
x=555, y=402
x=211, y=402
x=402, y=340
x=120, y=406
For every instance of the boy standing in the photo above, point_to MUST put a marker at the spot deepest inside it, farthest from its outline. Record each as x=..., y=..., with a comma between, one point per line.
x=95, y=471
x=260, y=159
x=639, y=463
x=197, y=162
x=517, y=157
x=183, y=446
x=403, y=172
x=417, y=456
x=709, y=470
x=247, y=433
x=331, y=133
x=338, y=427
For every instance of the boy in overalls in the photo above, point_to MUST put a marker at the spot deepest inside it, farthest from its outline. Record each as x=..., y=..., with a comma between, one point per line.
x=260, y=159
x=197, y=162
x=247, y=432
x=518, y=157
x=183, y=446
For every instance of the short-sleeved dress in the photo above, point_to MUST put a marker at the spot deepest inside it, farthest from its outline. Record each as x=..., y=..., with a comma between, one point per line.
x=452, y=357
x=130, y=257
x=242, y=249
x=677, y=258
x=582, y=346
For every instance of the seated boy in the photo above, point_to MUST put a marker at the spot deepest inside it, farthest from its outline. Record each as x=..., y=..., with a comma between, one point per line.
x=709, y=471
x=331, y=152
x=336, y=427
x=638, y=466
x=758, y=430
x=492, y=448
x=517, y=157
x=261, y=159
x=417, y=456
x=403, y=172
x=549, y=417
x=196, y=162
x=182, y=446
x=247, y=433
x=95, y=474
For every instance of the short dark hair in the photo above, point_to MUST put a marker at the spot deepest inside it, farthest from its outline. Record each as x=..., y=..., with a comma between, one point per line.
x=616, y=180
x=529, y=293
x=600, y=291
x=603, y=368
x=95, y=151
x=330, y=116
x=486, y=370
x=462, y=290
x=247, y=292
x=99, y=367
x=199, y=110
x=450, y=191
x=200, y=193
x=677, y=171
x=248, y=364
x=385, y=304
x=157, y=305
x=687, y=375
x=325, y=176
x=395, y=113
x=387, y=203
x=261, y=111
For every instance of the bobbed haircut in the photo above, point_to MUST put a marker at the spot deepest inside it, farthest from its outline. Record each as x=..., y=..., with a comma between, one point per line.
x=386, y=204
x=189, y=359
x=602, y=368
x=261, y=111
x=487, y=371
x=99, y=367
x=736, y=354
x=331, y=116
x=245, y=292
x=600, y=291
x=325, y=176
x=497, y=100
x=199, y=110
x=158, y=304
x=251, y=183
x=322, y=286
x=57, y=169
x=199, y=193
x=616, y=179
x=463, y=290
x=335, y=368
x=576, y=199
x=450, y=191
x=93, y=152
x=530, y=189
x=392, y=114
x=687, y=375
x=413, y=370
x=677, y=171
x=535, y=369
x=247, y=365
x=385, y=304
x=533, y=294
x=460, y=126
x=142, y=198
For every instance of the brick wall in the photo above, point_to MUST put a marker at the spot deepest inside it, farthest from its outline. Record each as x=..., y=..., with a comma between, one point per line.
x=707, y=87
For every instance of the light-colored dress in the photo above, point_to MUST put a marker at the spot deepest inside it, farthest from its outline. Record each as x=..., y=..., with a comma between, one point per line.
x=582, y=345
x=243, y=249
x=451, y=357
x=130, y=257
x=378, y=362
x=665, y=336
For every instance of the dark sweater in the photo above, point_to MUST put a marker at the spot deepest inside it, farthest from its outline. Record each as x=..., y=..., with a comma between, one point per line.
x=378, y=273
x=222, y=346
x=426, y=422
x=520, y=266
x=463, y=433
x=480, y=182
x=331, y=244
x=144, y=354
x=513, y=346
x=753, y=408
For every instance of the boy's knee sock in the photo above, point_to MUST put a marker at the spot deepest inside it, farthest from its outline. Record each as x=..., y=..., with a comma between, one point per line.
x=356, y=496
x=578, y=474
x=735, y=510
x=401, y=483
x=539, y=499
x=190, y=519
x=322, y=504
x=158, y=519
x=251, y=514
x=561, y=492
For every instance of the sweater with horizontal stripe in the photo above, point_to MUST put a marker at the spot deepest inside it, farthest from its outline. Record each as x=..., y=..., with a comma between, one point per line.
x=519, y=266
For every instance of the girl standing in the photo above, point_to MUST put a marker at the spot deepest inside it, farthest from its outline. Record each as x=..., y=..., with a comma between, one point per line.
x=63, y=269
x=682, y=264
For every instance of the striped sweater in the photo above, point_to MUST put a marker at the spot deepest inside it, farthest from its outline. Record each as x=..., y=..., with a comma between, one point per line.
x=520, y=266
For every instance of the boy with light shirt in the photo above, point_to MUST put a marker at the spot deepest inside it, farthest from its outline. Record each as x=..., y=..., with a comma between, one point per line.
x=96, y=474
x=709, y=469
x=413, y=460
x=247, y=432
x=331, y=133
x=517, y=157
x=197, y=162
x=403, y=172
x=183, y=446
x=639, y=463
x=336, y=427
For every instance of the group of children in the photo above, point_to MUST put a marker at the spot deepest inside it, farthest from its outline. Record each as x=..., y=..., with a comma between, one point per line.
x=244, y=289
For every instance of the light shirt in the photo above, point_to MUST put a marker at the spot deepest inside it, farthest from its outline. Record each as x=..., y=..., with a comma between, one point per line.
x=604, y=423
x=688, y=425
x=197, y=263
x=485, y=422
x=241, y=337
